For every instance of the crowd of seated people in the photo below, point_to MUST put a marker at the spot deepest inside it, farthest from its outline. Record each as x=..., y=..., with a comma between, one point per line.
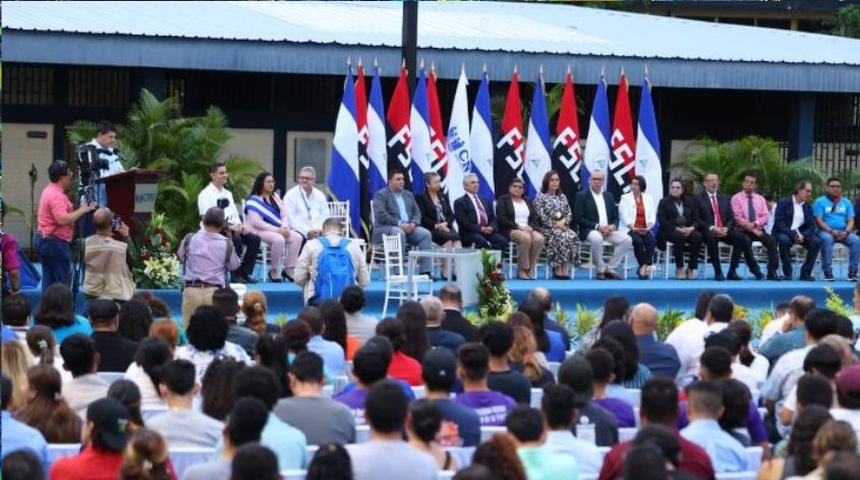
x=317, y=398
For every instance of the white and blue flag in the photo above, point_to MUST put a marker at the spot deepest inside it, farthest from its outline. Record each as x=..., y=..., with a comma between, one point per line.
x=377, y=150
x=597, y=153
x=343, y=181
x=482, y=147
x=458, y=144
x=419, y=122
x=537, y=143
x=648, y=162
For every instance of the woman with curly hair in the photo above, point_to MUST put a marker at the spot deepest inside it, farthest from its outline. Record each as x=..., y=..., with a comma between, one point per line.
x=207, y=340
x=46, y=410
x=499, y=454
x=216, y=389
x=56, y=311
x=254, y=308
x=135, y=318
x=801, y=457
x=146, y=458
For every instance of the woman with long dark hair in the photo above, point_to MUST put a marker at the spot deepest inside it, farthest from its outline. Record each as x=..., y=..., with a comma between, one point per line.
x=334, y=318
x=266, y=216
x=554, y=217
x=153, y=353
x=615, y=307
x=414, y=319
x=637, y=214
x=56, y=311
x=46, y=410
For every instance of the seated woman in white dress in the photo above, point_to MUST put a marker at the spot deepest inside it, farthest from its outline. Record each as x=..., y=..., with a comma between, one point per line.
x=266, y=216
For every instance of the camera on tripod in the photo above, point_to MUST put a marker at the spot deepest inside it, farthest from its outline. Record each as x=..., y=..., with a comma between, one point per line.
x=90, y=162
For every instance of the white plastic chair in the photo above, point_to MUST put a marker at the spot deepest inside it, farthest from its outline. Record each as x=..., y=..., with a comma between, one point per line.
x=446, y=474
x=737, y=476
x=636, y=395
x=111, y=377
x=396, y=280
x=419, y=392
x=57, y=451
x=537, y=397
x=463, y=455
x=263, y=255
x=608, y=250
x=754, y=458
x=294, y=474
x=310, y=451
x=341, y=210
x=184, y=457
x=487, y=432
x=338, y=382
x=362, y=433
x=628, y=433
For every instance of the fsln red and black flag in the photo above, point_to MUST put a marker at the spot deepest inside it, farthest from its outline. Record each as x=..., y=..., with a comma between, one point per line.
x=622, y=144
x=510, y=147
x=399, y=133
x=567, y=147
x=438, y=152
x=363, y=158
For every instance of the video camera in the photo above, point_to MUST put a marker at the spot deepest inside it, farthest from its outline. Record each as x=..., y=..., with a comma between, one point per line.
x=90, y=161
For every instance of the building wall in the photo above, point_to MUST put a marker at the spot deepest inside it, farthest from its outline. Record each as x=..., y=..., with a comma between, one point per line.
x=19, y=153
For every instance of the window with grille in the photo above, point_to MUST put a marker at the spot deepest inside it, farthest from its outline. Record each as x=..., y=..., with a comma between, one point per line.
x=99, y=87
x=28, y=85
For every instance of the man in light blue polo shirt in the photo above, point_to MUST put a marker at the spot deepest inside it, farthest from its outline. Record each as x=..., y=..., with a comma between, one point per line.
x=18, y=435
x=332, y=354
x=834, y=215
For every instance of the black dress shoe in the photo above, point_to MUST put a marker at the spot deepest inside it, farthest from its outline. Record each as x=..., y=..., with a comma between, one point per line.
x=807, y=277
x=773, y=277
x=287, y=277
x=759, y=275
x=734, y=276
x=719, y=277
x=560, y=277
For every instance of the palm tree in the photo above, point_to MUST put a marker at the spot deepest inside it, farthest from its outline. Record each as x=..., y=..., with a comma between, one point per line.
x=157, y=136
x=761, y=156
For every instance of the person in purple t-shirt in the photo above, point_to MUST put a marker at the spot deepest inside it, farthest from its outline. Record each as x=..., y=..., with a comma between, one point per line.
x=604, y=366
x=472, y=370
x=369, y=365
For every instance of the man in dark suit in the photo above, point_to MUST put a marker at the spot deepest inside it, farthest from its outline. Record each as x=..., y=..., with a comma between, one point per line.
x=477, y=218
x=716, y=223
x=396, y=213
x=597, y=215
x=794, y=224
x=452, y=303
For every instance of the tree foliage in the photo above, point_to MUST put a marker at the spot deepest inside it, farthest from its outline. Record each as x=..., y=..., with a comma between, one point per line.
x=157, y=136
x=762, y=156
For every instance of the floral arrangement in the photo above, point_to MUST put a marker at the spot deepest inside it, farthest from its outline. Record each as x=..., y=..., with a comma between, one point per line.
x=837, y=304
x=494, y=298
x=159, y=267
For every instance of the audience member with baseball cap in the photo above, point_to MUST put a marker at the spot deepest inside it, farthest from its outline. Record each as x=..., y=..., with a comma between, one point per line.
x=116, y=351
x=461, y=425
x=848, y=397
x=104, y=437
x=577, y=374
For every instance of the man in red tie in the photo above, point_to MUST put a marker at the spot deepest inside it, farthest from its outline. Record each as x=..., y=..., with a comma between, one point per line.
x=716, y=223
x=477, y=219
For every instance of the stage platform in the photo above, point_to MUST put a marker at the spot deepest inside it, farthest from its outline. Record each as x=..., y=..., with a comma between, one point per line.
x=677, y=294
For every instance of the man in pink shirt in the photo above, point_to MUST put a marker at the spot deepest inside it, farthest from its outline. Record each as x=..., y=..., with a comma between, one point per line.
x=751, y=215
x=56, y=219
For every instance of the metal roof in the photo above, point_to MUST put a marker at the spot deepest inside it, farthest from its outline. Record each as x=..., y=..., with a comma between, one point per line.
x=316, y=37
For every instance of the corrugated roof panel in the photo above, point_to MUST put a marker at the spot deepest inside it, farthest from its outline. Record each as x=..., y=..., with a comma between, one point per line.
x=481, y=26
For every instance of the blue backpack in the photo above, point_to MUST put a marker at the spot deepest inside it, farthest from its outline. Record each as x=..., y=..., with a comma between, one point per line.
x=335, y=270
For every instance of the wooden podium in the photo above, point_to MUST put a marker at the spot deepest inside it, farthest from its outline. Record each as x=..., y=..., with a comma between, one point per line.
x=131, y=195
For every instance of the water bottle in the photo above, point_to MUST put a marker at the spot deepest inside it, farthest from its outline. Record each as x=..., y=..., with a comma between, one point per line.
x=585, y=430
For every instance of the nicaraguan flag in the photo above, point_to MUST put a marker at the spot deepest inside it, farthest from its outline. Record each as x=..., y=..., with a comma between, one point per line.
x=597, y=153
x=419, y=123
x=459, y=144
x=648, y=161
x=343, y=176
x=376, y=143
x=537, y=143
x=482, y=146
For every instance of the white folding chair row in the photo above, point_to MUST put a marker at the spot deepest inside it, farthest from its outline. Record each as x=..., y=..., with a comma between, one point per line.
x=184, y=457
x=608, y=250
x=636, y=395
x=294, y=474
x=338, y=383
x=419, y=392
x=628, y=433
x=446, y=474
x=737, y=476
x=537, y=397
x=463, y=455
x=362, y=433
x=57, y=451
x=310, y=451
x=111, y=377
x=487, y=432
x=328, y=391
x=603, y=451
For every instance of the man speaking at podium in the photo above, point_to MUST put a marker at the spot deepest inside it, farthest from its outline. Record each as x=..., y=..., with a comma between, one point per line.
x=104, y=146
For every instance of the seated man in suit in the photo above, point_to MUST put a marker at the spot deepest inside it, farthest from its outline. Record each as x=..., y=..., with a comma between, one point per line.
x=751, y=215
x=396, y=213
x=716, y=223
x=597, y=215
x=794, y=224
x=477, y=218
